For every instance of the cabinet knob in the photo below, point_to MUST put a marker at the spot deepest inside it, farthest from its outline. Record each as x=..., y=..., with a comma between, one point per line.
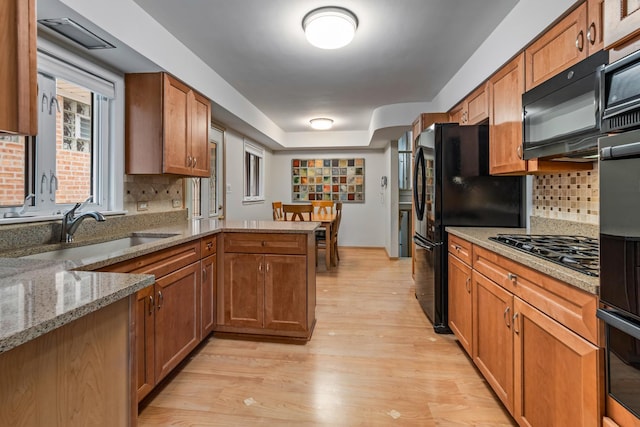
x=580, y=41
x=209, y=245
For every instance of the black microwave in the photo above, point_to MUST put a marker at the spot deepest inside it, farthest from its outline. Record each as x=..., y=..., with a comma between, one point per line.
x=620, y=94
x=561, y=116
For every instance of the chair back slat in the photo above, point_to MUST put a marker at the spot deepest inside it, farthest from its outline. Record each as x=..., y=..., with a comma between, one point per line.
x=277, y=211
x=322, y=206
x=297, y=212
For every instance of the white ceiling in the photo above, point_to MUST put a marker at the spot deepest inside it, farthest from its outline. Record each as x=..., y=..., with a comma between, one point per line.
x=404, y=51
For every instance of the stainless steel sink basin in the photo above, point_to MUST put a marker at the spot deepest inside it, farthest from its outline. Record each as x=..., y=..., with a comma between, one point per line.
x=102, y=248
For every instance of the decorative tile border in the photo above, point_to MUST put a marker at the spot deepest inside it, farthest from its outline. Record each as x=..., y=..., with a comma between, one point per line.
x=327, y=179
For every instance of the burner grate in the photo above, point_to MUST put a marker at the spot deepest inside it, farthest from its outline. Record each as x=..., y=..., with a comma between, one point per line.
x=576, y=252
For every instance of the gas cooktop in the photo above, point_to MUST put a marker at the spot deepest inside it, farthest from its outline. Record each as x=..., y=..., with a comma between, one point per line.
x=575, y=252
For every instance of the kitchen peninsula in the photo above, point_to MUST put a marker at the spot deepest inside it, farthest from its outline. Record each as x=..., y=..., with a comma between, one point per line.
x=66, y=326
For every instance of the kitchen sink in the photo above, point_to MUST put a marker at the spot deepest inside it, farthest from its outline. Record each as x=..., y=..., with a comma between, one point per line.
x=102, y=248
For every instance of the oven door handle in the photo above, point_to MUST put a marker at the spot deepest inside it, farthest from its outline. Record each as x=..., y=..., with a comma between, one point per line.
x=611, y=318
x=620, y=151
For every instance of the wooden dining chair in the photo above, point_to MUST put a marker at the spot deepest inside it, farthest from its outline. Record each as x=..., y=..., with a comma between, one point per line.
x=321, y=241
x=324, y=207
x=297, y=212
x=277, y=211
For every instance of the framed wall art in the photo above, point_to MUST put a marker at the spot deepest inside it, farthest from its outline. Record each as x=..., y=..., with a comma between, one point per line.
x=340, y=180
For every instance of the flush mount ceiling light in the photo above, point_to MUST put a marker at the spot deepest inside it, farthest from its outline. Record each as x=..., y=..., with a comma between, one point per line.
x=76, y=32
x=321, y=123
x=330, y=27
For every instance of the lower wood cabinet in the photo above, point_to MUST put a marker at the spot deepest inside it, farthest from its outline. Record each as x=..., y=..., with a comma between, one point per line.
x=208, y=295
x=269, y=285
x=145, y=338
x=534, y=338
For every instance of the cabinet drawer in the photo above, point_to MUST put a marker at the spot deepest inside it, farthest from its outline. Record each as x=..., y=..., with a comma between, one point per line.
x=263, y=243
x=570, y=306
x=460, y=248
x=160, y=263
x=208, y=246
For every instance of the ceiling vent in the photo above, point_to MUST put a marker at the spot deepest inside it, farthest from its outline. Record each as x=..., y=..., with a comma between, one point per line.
x=76, y=32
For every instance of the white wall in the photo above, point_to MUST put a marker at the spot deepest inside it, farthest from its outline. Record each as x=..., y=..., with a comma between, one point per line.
x=363, y=224
x=236, y=209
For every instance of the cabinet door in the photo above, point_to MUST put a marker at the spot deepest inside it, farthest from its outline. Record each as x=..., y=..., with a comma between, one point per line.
x=18, y=112
x=595, y=34
x=244, y=290
x=208, y=295
x=457, y=114
x=505, y=119
x=460, y=301
x=492, y=336
x=145, y=317
x=177, y=317
x=200, y=122
x=562, y=46
x=556, y=373
x=285, y=293
x=477, y=106
x=177, y=126
x=621, y=22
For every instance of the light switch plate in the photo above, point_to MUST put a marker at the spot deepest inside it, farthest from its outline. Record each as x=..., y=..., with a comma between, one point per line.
x=176, y=203
x=143, y=206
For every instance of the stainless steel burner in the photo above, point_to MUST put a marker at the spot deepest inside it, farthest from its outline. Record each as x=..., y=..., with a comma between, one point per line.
x=576, y=252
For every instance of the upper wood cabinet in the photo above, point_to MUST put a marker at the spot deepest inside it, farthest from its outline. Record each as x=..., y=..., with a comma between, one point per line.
x=473, y=109
x=621, y=26
x=18, y=86
x=572, y=39
x=505, y=118
x=167, y=127
x=425, y=120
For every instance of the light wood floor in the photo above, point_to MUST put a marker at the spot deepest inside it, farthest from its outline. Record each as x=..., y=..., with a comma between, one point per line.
x=373, y=360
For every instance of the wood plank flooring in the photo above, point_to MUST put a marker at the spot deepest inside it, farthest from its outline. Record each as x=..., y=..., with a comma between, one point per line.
x=373, y=360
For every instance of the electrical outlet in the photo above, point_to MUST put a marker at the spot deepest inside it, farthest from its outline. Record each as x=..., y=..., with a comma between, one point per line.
x=228, y=188
x=143, y=206
x=176, y=203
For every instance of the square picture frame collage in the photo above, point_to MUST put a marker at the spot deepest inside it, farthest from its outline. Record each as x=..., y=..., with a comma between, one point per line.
x=339, y=180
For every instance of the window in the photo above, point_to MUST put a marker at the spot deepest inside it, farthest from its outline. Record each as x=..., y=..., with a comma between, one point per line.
x=253, y=173
x=205, y=192
x=405, y=164
x=76, y=154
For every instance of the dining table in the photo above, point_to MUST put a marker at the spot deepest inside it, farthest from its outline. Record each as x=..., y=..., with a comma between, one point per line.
x=326, y=220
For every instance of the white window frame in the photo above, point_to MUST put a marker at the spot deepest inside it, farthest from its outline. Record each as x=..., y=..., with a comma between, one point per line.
x=108, y=169
x=202, y=185
x=259, y=153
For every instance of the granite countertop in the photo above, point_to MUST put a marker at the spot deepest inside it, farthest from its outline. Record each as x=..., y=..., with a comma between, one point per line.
x=38, y=296
x=480, y=236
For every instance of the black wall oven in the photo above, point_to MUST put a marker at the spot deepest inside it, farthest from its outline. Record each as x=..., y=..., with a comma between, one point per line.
x=620, y=264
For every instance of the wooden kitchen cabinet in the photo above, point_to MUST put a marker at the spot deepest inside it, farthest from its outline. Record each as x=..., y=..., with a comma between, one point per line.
x=474, y=109
x=505, y=119
x=493, y=337
x=621, y=24
x=460, y=291
x=568, y=42
x=208, y=295
x=269, y=285
x=18, y=72
x=556, y=373
x=167, y=314
x=166, y=127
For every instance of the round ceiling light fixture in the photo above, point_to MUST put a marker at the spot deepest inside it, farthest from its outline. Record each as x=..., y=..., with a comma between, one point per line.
x=330, y=27
x=321, y=123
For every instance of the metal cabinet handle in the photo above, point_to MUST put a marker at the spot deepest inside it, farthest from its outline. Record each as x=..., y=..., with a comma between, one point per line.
x=260, y=267
x=515, y=323
x=151, y=305
x=267, y=267
x=507, y=319
x=204, y=274
x=580, y=41
x=512, y=277
x=467, y=284
x=519, y=152
x=160, y=299
x=189, y=160
x=457, y=248
x=591, y=33
x=209, y=245
x=195, y=162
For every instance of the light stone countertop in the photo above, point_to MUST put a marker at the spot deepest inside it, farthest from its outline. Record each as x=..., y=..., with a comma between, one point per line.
x=480, y=236
x=38, y=296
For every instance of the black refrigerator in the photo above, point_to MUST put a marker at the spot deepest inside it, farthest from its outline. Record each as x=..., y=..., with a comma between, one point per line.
x=452, y=187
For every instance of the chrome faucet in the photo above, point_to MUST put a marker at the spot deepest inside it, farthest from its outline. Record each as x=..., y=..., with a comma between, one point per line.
x=71, y=222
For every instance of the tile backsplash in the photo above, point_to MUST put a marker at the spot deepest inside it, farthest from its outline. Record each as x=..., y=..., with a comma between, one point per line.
x=158, y=191
x=571, y=196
